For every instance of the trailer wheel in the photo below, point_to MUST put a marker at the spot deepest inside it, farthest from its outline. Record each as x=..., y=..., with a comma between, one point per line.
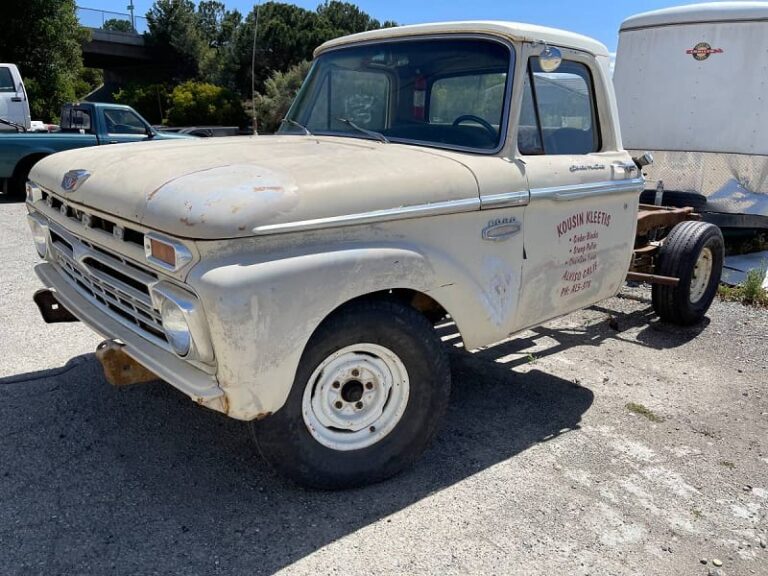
x=693, y=252
x=371, y=388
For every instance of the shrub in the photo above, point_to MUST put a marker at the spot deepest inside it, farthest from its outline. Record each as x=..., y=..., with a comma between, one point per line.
x=200, y=103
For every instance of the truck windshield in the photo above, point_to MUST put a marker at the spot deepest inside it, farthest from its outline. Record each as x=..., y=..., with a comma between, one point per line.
x=446, y=93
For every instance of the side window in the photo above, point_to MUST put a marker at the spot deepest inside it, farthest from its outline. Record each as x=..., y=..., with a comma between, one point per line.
x=480, y=95
x=6, y=80
x=124, y=122
x=358, y=96
x=558, y=115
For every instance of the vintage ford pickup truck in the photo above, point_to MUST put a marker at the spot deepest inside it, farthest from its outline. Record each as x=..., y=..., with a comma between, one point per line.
x=466, y=169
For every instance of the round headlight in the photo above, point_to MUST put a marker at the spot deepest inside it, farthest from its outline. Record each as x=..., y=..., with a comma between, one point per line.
x=176, y=327
x=39, y=236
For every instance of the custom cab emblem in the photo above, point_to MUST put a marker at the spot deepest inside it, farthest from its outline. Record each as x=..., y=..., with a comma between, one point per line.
x=74, y=179
x=702, y=51
x=501, y=229
x=586, y=167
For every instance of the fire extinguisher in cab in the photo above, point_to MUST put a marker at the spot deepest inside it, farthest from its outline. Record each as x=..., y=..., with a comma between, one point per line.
x=419, y=97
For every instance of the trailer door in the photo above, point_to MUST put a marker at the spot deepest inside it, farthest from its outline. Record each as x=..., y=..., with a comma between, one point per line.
x=584, y=190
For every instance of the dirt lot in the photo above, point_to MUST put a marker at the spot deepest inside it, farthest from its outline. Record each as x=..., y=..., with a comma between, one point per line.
x=577, y=448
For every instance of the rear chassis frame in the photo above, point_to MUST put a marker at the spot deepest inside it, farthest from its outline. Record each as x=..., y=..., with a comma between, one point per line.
x=653, y=225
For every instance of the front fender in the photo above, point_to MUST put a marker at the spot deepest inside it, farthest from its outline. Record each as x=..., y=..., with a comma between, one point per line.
x=262, y=313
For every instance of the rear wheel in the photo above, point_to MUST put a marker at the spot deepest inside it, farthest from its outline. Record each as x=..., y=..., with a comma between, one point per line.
x=371, y=388
x=693, y=252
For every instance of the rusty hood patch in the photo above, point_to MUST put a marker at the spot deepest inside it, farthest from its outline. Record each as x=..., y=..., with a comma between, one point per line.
x=224, y=187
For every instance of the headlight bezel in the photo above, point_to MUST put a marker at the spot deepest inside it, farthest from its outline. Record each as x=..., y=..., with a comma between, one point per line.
x=38, y=225
x=189, y=307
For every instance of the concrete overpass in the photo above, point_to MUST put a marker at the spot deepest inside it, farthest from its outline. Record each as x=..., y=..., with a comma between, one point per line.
x=114, y=51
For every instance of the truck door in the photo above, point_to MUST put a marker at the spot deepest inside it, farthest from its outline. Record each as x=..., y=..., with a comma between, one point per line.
x=584, y=190
x=13, y=98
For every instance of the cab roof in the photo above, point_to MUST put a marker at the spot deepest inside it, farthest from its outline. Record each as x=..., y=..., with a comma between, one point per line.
x=513, y=31
x=699, y=14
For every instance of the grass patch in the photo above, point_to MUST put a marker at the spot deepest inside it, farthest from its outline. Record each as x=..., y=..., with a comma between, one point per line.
x=697, y=513
x=750, y=292
x=643, y=411
x=532, y=359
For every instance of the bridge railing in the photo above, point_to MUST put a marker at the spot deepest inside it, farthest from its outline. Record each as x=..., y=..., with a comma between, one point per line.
x=115, y=21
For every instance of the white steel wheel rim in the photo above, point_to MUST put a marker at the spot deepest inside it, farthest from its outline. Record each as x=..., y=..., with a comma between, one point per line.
x=702, y=272
x=355, y=397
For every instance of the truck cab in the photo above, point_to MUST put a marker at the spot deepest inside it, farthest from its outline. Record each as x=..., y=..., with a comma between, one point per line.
x=14, y=104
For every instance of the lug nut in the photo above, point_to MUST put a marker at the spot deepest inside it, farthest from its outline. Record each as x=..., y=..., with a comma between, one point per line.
x=369, y=385
x=336, y=384
x=355, y=372
x=359, y=405
x=372, y=428
x=339, y=405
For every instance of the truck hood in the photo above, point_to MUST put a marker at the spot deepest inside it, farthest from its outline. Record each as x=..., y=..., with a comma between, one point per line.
x=227, y=187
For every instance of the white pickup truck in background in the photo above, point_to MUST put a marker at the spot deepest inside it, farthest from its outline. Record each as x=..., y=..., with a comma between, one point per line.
x=14, y=104
x=472, y=170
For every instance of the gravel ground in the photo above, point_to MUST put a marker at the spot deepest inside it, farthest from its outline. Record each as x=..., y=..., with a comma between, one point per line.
x=540, y=467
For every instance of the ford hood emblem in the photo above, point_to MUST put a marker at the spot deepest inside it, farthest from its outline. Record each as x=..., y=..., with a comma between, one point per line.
x=74, y=179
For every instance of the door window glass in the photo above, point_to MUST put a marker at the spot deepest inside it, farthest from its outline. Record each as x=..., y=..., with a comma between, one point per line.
x=124, y=122
x=6, y=80
x=558, y=114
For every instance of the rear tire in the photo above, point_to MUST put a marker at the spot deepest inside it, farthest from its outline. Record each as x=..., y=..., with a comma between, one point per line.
x=371, y=388
x=693, y=252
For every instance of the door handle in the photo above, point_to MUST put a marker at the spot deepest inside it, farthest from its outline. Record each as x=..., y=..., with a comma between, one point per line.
x=624, y=168
x=16, y=99
x=113, y=142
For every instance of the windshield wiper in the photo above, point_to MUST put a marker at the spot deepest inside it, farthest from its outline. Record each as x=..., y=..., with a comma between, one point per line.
x=306, y=130
x=377, y=135
x=19, y=127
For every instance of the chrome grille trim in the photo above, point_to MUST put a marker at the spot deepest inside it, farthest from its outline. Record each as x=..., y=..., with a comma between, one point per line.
x=104, y=286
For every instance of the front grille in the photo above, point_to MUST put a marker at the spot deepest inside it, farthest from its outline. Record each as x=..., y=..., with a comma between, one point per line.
x=114, y=284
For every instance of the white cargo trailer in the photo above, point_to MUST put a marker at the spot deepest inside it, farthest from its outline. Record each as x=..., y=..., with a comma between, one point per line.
x=691, y=84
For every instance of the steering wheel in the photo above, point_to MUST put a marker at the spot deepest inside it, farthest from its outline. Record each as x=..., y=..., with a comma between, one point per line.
x=472, y=118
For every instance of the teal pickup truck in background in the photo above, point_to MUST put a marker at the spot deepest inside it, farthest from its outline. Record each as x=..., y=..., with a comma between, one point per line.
x=82, y=124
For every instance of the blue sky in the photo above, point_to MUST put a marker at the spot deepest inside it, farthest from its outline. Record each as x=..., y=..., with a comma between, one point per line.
x=597, y=18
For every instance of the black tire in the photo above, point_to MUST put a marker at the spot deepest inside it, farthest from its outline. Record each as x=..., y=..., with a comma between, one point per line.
x=675, y=199
x=284, y=438
x=678, y=257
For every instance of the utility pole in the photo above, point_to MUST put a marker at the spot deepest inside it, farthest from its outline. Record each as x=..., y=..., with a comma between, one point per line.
x=133, y=18
x=253, y=68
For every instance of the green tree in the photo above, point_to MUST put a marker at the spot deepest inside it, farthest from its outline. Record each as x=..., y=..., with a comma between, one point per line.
x=177, y=43
x=150, y=100
x=279, y=91
x=43, y=38
x=198, y=103
x=118, y=25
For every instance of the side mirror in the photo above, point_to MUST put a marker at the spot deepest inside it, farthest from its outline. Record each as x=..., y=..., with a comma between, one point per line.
x=646, y=159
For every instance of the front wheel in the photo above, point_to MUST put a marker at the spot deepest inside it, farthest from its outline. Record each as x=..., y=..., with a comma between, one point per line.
x=371, y=388
x=693, y=252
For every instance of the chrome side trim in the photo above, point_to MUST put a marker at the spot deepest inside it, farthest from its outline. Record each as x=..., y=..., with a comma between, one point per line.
x=505, y=200
x=402, y=213
x=579, y=191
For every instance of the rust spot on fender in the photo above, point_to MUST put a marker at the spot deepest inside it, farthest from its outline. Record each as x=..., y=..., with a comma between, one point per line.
x=185, y=220
x=263, y=415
